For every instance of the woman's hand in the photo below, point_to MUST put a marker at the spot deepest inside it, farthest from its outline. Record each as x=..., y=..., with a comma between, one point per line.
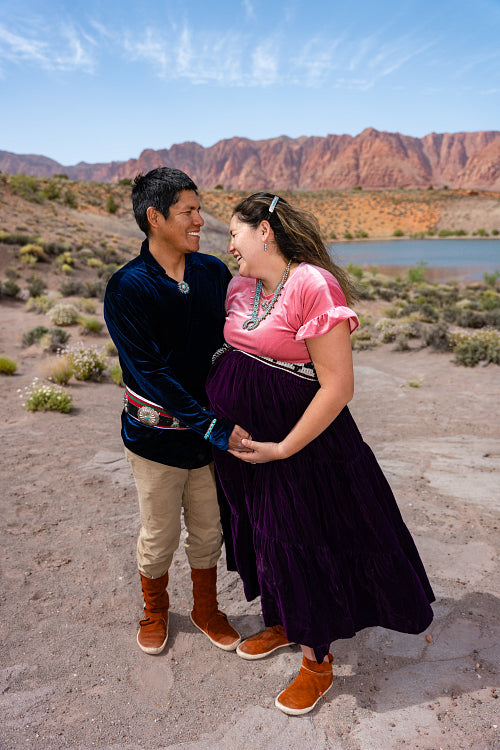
x=259, y=453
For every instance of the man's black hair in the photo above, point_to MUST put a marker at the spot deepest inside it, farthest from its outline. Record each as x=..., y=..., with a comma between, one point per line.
x=159, y=188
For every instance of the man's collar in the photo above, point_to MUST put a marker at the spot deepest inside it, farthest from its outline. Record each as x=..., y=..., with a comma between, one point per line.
x=152, y=263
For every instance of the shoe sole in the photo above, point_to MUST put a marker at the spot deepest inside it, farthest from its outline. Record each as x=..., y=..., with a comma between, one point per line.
x=151, y=649
x=298, y=711
x=253, y=657
x=229, y=647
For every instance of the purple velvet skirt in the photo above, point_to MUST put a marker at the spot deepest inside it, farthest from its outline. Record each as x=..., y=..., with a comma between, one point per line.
x=318, y=536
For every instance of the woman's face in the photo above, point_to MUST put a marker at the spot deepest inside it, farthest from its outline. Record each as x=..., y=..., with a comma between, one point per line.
x=246, y=245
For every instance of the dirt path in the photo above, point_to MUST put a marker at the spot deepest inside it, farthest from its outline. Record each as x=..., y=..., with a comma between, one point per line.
x=71, y=674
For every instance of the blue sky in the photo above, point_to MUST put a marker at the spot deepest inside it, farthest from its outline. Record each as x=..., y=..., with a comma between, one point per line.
x=101, y=81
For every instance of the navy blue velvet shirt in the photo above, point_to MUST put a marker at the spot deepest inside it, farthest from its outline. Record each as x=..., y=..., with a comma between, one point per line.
x=165, y=341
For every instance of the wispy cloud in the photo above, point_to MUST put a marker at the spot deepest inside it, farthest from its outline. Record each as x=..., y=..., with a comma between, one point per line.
x=265, y=64
x=70, y=50
x=249, y=9
x=230, y=57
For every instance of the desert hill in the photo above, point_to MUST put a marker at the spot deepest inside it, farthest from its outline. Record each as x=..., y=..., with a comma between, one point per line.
x=372, y=160
x=91, y=212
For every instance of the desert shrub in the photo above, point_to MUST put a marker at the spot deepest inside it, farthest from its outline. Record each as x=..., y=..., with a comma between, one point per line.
x=115, y=373
x=111, y=204
x=27, y=187
x=401, y=342
x=7, y=366
x=63, y=314
x=125, y=181
x=423, y=311
x=348, y=236
x=94, y=289
x=65, y=259
x=88, y=363
x=46, y=398
x=56, y=369
x=9, y=288
x=36, y=285
x=385, y=293
x=471, y=348
x=492, y=318
x=41, y=304
x=110, y=349
x=51, y=191
x=54, y=340
x=34, y=335
x=355, y=271
x=483, y=233
x=364, y=290
x=490, y=279
x=86, y=305
x=94, y=263
x=71, y=288
x=416, y=274
x=465, y=318
x=389, y=329
x=16, y=238
x=91, y=325
x=495, y=232
x=398, y=233
x=392, y=312
x=489, y=300
x=56, y=248
x=437, y=336
x=70, y=199
x=34, y=250
x=363, y=340
x=107, y=270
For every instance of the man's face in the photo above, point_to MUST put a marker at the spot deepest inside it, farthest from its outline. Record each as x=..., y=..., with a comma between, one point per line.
x=181, y=231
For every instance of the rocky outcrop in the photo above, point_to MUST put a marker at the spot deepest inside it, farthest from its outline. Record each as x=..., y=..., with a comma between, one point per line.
x=372, y=159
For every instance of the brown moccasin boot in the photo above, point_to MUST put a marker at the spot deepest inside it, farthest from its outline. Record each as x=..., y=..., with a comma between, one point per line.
x=312, y=683
x=153, y=632
x=206, y=614
x=264, y=643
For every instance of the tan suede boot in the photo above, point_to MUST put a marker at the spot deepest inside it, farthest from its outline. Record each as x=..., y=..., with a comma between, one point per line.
x=312, y=683
x=153, y=632
x=264, y=643
x=206, y=614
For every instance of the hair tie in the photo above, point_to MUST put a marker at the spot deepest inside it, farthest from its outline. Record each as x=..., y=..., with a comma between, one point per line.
x=273, y=204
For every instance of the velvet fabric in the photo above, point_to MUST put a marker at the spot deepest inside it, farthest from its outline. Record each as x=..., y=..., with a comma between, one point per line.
x=318, y=536
x=165, y=341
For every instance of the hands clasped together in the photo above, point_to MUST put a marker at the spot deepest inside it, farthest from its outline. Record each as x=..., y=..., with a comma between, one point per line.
x=253, y=452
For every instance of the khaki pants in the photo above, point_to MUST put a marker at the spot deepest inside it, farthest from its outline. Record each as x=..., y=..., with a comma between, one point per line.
x=163, y=492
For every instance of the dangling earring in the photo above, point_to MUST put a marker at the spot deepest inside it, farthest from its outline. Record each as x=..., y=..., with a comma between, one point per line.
x=265, y=247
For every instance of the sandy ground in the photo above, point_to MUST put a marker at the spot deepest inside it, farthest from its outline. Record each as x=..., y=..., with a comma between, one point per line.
x=71, y=674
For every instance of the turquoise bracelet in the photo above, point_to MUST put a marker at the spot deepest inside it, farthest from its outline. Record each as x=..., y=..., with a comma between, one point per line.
x=207, y=433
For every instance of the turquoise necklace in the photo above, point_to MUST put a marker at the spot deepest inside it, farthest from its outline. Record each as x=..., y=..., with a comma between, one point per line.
x=254, y=320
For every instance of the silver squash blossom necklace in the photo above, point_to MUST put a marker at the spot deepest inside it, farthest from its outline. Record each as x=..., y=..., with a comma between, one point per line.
x=254, y=320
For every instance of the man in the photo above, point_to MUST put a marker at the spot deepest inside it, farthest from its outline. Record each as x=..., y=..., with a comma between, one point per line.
x=165, y=313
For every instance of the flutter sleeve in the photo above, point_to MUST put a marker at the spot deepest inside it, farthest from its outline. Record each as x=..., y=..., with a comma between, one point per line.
x=323, y=305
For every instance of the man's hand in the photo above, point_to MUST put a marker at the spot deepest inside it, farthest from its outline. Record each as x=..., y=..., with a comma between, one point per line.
x=235, y=438
x=260, y=453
